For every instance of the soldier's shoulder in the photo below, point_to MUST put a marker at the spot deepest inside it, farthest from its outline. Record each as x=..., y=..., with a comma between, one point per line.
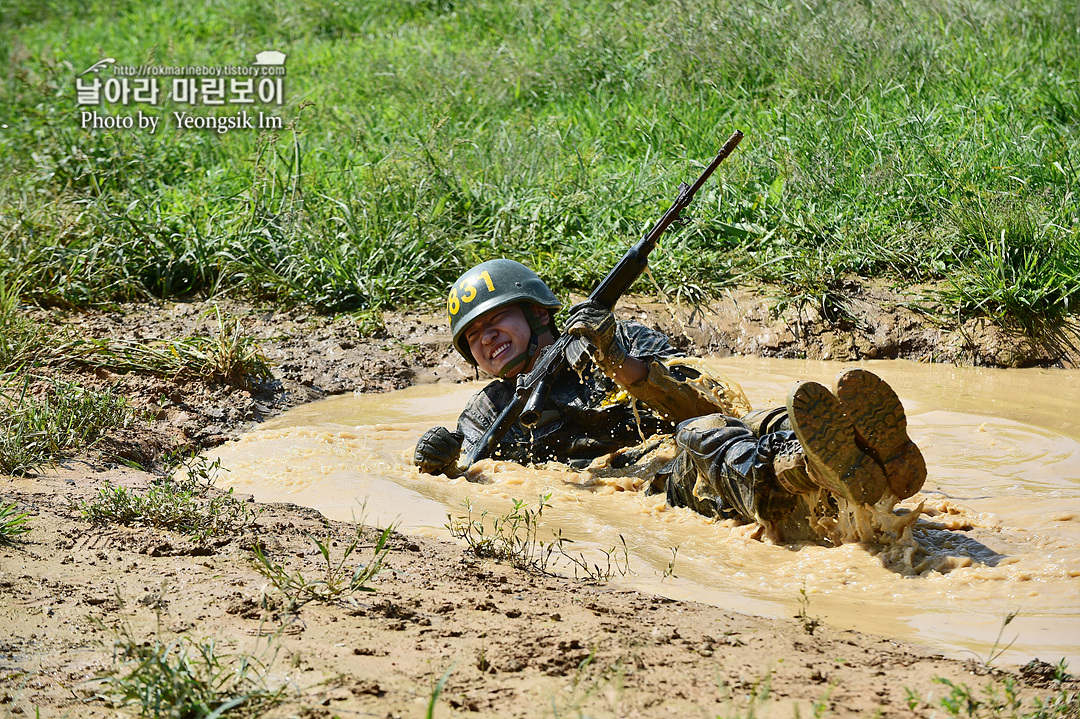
x=496, y=393
x=646, y=341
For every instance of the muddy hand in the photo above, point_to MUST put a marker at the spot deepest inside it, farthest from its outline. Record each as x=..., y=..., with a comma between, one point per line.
x=579, y=352
x=594, y=323
x=437, y=450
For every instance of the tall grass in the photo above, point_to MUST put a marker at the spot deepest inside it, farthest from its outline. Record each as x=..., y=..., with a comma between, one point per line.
x=427, y=135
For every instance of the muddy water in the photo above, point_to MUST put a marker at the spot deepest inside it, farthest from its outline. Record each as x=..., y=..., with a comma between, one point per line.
x=1003, y=497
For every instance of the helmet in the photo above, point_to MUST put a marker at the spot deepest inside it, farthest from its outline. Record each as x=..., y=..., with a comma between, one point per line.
x=490, y=285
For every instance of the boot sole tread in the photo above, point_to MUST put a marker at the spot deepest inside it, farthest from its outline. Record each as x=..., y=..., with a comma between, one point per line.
x=877, y=415
x=829, y=442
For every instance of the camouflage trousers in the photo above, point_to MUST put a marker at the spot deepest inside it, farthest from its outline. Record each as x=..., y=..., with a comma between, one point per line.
x=724, y=467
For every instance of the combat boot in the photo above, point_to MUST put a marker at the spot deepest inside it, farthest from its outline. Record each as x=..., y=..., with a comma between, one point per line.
x=880, y=425
x=789, y=466
x=834, y=460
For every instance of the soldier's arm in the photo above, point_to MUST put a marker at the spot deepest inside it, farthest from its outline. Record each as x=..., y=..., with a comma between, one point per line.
x=670, y=391
x=439, y=450
x=481, y=412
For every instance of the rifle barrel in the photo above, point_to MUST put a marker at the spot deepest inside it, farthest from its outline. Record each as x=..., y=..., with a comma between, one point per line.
x=607, y=293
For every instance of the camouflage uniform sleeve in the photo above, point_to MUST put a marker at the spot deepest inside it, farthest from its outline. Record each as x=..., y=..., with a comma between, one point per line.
x=677, y=392
x=644, y=343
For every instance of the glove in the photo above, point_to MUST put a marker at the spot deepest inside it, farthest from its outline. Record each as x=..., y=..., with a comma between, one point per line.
x=592, y=323
x=437, y=450
x=578, y=354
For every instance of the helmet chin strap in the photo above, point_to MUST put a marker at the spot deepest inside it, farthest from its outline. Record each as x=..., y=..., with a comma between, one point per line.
x=538, y=328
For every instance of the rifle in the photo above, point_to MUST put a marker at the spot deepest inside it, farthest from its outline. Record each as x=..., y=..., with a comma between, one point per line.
x=532, y=389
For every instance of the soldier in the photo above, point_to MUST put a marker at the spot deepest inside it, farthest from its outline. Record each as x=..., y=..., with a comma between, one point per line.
x=783, y=467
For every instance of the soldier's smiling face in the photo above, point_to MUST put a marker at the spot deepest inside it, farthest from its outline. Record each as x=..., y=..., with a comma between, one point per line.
x=501, y=335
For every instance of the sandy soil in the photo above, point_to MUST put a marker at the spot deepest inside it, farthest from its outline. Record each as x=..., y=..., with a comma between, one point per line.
x=509, y=642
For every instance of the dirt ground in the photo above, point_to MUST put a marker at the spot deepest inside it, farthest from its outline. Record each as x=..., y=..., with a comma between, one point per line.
x=507, y=642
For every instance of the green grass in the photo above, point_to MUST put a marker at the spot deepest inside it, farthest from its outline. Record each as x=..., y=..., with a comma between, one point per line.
x=180, y=501
x=894, y=139
x=1018, y=273
x=185, y=678
x=35, y=429
x=12, y=523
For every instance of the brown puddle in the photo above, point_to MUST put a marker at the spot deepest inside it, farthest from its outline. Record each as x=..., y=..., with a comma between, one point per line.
x=1003, y=496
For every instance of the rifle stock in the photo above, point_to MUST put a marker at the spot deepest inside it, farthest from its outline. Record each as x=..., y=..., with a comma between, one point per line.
x=531, y=391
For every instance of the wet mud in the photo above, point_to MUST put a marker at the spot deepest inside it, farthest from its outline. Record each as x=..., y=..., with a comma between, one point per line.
x=511, y=643
x=995, y=529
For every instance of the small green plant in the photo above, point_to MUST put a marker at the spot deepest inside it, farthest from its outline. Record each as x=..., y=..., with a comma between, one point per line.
x=369, y=322
x=12, y=524
x=1061, y=673
x=40, y=420
x=436, y=692
x=186, y=504
x=995, y=653
x=809, y=624
x=593, y=683
x=338, y=581
x=514, y=538
x=670, y=571
x=185, y=678
x=749, y=699
x=821, y=706
x=616, y=561
x=999, y=699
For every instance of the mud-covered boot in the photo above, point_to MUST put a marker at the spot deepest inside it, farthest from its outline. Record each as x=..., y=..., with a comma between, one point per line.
x=876, y=414
x=789, y=466
x=833, y=457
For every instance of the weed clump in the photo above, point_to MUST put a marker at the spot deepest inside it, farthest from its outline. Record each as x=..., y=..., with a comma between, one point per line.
x=229, y=357
x=41, y=418
x=809, y=623
x=35, y=429
x=185, y=504
x=186, y=678
x=1015, y=270
x=337, y=582
x=514, y=538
